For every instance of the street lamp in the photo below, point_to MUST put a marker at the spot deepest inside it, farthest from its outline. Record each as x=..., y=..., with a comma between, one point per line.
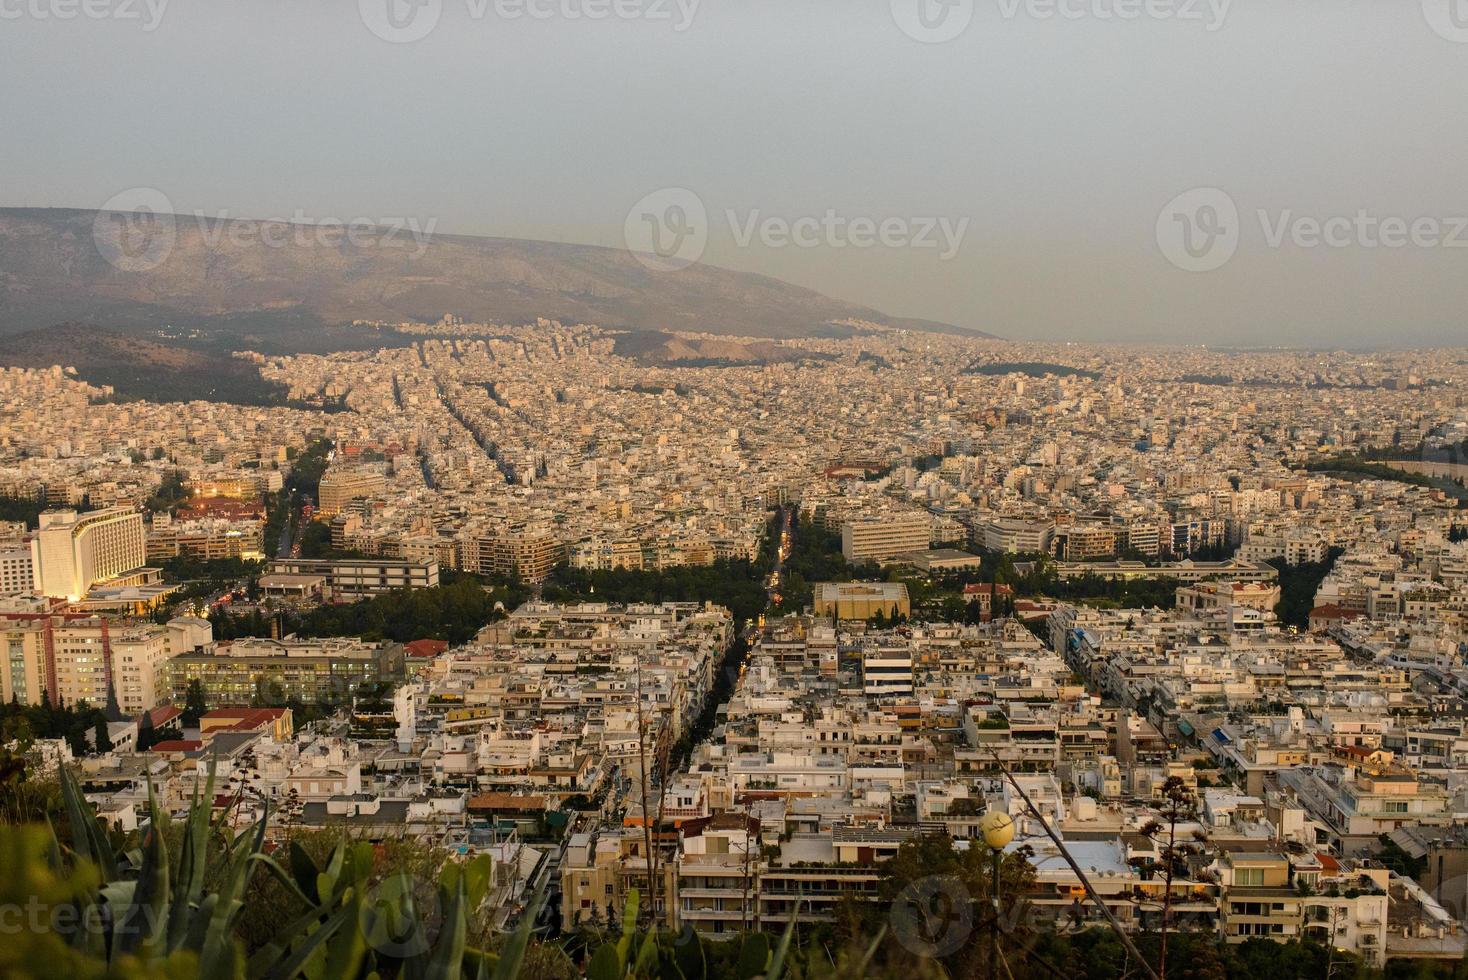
x=998, y=830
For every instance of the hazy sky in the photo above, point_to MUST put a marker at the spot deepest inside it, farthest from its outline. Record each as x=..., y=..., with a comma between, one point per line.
x=1060, y=137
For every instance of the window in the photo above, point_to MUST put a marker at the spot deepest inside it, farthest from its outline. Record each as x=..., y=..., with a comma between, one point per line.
x=1249, y=877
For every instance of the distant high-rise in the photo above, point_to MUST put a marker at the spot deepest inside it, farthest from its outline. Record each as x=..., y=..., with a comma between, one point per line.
x=340, y=487
x=72, y=552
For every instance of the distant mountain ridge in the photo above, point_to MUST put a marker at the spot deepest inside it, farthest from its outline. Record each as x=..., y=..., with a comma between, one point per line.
x=52, y=270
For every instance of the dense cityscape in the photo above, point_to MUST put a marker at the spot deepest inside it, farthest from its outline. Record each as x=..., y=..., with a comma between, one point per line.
x=764, y=650
x=733, y=490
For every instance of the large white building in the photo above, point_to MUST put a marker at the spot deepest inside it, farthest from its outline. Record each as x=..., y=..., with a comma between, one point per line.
x=73, y=552
x=880, y=538
x=1016, y=536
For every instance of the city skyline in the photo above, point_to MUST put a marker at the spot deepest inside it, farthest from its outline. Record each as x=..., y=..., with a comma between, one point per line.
x=1060, y=145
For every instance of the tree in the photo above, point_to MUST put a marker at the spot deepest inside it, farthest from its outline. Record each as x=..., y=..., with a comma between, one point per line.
x=147, y=736
x=113, y=709
x=931, y=873
x=170, y=493
x=1178, y=806
x=100, y=737
x=195, y=705
x=661, y=752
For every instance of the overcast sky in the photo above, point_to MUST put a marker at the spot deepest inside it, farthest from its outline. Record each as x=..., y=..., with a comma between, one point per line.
x=1061, y=140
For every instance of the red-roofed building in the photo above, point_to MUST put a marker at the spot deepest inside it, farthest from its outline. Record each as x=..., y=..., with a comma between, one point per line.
x=166, y=715
x=425, y=649
x=1327, y=616
x=985, y=593
x=177, y=746
x=278, y=723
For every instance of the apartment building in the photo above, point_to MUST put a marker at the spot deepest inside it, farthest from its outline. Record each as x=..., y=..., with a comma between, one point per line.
x=209, y=538
x=77, y=658
x=140, y=656
x=1079, y=542
x=886, y=670
x=1260, y=898
x=526, y=552
x=599, y=870
x=1218, y=596
x=597, y=554
x=341, y=486
x=17, y=570
x=1356, y=806
x=1265, y=896
x=1185, y=570
x=1295, y=549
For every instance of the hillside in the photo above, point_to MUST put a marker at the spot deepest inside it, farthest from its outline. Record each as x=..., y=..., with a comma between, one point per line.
x=139, y=368
x=223, y=278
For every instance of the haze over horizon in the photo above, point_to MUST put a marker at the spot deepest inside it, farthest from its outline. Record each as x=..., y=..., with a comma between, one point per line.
x=1051, y=146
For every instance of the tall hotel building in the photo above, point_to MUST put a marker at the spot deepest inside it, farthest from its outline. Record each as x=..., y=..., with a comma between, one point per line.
x=72, y=552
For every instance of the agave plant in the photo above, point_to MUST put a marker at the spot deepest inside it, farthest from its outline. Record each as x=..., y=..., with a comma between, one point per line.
x=147, y=912
x=665, y=955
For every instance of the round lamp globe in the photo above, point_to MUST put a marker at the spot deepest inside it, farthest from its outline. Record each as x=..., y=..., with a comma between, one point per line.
x=997, y=828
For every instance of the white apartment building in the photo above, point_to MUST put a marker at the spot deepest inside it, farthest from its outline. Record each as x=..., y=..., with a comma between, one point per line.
x=1295, y=549
x=17, y=576
x=886, y=671
x=140, y=655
